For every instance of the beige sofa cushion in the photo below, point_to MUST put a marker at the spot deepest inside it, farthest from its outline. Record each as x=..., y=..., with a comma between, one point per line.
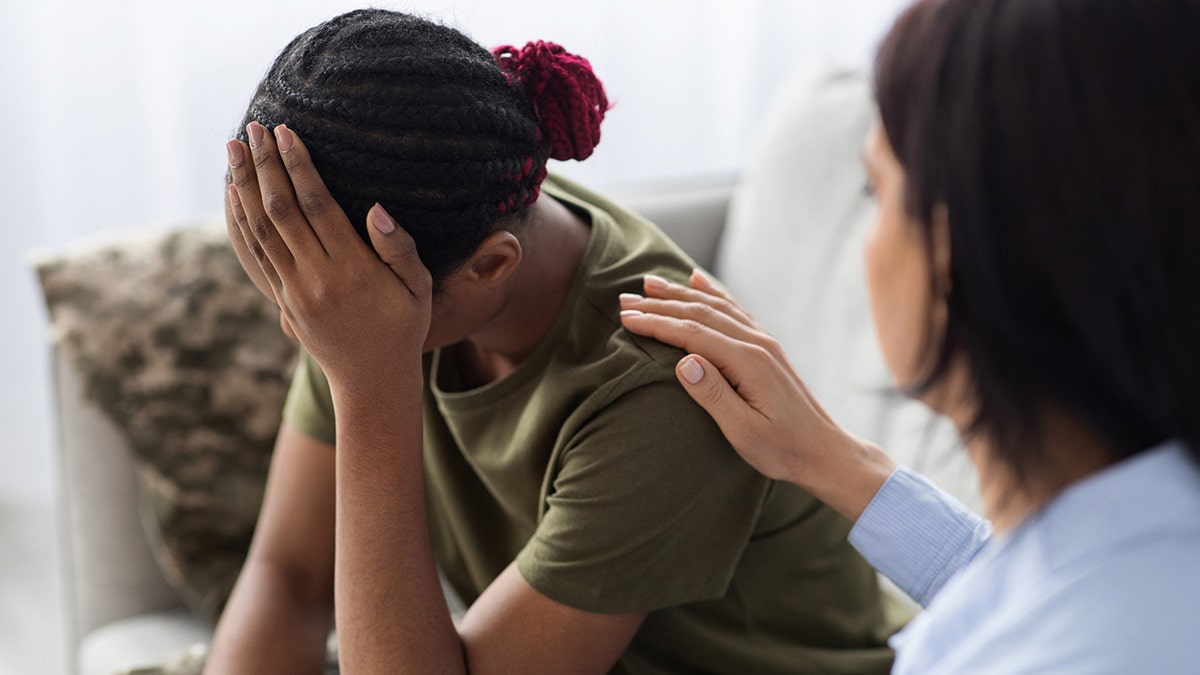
x=792, y=253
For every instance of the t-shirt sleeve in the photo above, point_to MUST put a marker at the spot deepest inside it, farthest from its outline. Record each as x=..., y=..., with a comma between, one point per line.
x=309, y=404
x=650, y=508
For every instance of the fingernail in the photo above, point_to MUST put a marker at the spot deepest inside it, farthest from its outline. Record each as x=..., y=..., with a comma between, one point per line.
x=381, y=220
x=629, y=313
x=691, y=370
x=283, y=136
x=630, y=298
x=236, y=156
x=254, y=131
x=656, y=282
x=233, y=195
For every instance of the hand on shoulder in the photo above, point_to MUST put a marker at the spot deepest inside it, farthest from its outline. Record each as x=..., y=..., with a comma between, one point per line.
x=742, y=377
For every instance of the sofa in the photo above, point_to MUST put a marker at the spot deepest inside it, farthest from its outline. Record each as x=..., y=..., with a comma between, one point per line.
x=784, y=236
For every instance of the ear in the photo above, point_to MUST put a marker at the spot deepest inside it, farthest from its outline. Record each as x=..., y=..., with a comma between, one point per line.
x=495, y=259
x=940, y=251
x=941, y=283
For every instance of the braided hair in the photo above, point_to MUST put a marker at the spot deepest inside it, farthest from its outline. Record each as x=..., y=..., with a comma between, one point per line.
x=445, y=135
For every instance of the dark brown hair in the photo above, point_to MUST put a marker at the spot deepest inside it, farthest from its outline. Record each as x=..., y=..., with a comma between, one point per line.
x=1063, y=137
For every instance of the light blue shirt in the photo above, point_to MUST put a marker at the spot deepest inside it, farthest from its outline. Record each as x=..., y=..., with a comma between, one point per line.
x=1104, y=579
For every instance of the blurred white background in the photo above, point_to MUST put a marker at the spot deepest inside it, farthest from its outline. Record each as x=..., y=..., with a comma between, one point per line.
x=115, y=113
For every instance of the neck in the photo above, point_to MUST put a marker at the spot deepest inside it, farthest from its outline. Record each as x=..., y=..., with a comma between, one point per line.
x=1070, y=453
x=554, y=242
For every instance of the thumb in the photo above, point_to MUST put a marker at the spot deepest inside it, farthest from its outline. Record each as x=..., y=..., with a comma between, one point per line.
x=397, y=250
x=708, y=387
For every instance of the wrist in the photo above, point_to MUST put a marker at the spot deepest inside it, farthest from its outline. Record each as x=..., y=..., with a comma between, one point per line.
x=381, y=397
x=846, y=474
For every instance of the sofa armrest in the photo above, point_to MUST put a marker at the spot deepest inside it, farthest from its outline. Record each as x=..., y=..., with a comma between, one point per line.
x=143, y=642
x=111, y=573
x=691, y=213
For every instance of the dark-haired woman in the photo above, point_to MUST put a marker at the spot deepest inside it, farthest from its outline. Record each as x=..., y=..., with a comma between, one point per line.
x=491, y=413
x=1034, y=273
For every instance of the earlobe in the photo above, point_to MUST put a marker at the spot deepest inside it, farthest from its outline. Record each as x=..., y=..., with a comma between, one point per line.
x=496, y=258
x=940, y=250
x=939, y=254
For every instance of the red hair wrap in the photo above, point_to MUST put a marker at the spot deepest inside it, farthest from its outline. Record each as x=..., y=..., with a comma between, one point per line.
x=567, y=97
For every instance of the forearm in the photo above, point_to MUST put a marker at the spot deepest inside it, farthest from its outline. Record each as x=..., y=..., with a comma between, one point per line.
x=391, y=613
x=268, y=627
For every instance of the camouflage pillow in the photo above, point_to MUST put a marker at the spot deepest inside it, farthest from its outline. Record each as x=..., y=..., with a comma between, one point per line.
x=178, y=348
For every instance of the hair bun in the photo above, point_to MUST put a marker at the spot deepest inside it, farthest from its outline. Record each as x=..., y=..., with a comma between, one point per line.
x=567, y=97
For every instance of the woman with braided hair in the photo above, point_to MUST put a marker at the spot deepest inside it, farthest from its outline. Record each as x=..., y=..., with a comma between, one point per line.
x=467, y=400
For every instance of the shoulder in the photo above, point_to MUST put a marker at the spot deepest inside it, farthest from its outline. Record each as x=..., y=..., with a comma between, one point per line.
x=1145, y=598
x=1134, y=611
x=625, y=249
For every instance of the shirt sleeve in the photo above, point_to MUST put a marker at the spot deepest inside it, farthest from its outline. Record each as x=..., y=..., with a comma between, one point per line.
x=917, y=535
x=309, y=404
x=650, y=508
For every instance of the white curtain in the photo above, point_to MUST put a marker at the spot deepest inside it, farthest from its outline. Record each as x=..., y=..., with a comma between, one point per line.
x=114, y=114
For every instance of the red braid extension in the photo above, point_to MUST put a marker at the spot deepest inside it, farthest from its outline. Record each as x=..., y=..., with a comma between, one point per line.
x=567, y=97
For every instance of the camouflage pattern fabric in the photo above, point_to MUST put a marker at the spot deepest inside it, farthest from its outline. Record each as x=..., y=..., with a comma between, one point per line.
x=177, y=347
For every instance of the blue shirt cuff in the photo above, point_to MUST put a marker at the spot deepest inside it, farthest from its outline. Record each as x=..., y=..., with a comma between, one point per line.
x=917, y=535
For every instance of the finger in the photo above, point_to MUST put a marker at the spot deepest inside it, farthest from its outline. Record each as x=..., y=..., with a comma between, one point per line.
x=279, y=196
x=325, y=216
x=703, y=281
x=698, y=312
x=262, y=230
x=709, y=388
x=238, y=215
x=398, y=251
x=661, y=288
x=727, y=353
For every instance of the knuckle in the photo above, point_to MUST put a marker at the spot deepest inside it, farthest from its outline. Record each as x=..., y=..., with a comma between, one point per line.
x=260, y=230
x=762, y=339
x=237, y=219
x=732, y=310
x=775, y=349
x=769, y=344
x=424, y=282
x=277, y=205
x=263, y=159
x=705, y=314
x=758, y=354
x=406, y=248
x=713, y=395
x=240, y=178
x=318, y=297
x=313, y=204
x=691, y=327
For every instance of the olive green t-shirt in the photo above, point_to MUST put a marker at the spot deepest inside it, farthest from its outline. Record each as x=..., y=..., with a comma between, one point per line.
x=614, y=492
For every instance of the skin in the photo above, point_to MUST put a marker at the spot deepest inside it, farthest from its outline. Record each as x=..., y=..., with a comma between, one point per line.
x=742, y=377
x=347, y=530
